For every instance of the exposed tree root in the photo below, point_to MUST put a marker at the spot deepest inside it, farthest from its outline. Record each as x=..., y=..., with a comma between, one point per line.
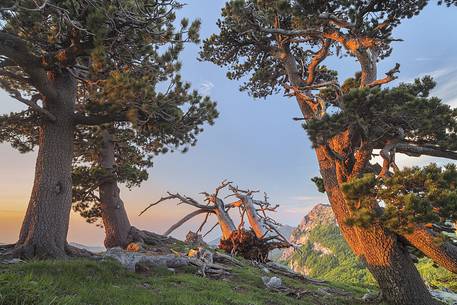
x=246, y=244
x=37, y=251
x=150, y=238
x=74, y=252
x=27, y=252
x=144, y=240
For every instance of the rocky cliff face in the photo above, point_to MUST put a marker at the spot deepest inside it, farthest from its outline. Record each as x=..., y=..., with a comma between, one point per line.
x=323, y=252
x=320, y=215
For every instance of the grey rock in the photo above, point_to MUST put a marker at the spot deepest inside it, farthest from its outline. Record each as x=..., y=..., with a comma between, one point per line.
x=324, y=292
x=264, y=269
x=272, y=282
x=370, y=297
x=12, y=261
x=444, y=296
x=131, y=259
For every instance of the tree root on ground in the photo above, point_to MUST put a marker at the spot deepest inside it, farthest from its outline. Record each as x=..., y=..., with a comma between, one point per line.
x=247, y=245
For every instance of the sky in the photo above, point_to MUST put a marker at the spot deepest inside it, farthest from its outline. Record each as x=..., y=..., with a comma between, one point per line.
x=254, y=143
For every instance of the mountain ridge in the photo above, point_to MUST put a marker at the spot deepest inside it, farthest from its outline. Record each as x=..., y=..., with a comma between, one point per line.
x=324, y=254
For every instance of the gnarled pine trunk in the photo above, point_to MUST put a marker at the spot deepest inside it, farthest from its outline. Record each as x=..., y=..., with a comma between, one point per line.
x=385, y=257
x=114, y=216
x=44, y=230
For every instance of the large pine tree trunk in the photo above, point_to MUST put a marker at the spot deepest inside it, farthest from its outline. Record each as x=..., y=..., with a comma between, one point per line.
x=114, y=216
x=384, y=256
x=44, y=230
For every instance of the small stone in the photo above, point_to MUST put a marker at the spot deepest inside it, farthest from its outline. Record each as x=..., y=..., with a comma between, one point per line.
x=172, y=270
x=444, y=296
x=273, y=282
x=370, y=297
x=266, y=270
x=324, y=292
x=12, y=261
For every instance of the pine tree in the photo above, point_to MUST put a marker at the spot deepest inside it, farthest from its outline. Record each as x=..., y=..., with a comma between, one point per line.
x=90, y=63
x=111, y=154
x=281, y=45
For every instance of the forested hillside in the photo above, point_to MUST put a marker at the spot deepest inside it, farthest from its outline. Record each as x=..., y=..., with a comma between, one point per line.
x=324, y=254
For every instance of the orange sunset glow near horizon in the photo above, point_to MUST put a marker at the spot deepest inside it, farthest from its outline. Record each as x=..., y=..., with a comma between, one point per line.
x=17, y=185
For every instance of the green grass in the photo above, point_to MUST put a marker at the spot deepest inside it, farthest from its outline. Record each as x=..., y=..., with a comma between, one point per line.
x=437, y=277
x=86, y=282
x=342, y=268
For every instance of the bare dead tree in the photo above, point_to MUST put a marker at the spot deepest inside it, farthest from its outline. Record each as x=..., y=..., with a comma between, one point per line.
x=253, y=240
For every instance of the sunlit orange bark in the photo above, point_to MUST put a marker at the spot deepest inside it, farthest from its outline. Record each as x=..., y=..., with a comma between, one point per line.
x=441, y=252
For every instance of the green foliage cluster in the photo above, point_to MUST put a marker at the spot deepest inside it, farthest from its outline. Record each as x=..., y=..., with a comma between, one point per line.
x=436, y=277
x=405, y=112
x=19, y=129
x=412, y=196
x=249, y=51
x=447, y=2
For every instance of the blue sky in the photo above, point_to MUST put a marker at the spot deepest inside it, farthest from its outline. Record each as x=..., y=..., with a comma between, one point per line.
x=254, y=143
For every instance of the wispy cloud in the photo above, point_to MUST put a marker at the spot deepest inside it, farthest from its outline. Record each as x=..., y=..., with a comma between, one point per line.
x=446, y=88
x=308, y=198
x=298, y=210
x=437, y=74
x=206, y=87
x=424, y=58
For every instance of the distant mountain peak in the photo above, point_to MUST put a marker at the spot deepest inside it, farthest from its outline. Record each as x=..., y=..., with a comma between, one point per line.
x=320, y=214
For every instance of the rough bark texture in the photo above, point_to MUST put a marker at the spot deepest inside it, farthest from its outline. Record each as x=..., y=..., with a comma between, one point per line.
x=245, y=243
x=441, y=252
x=115, y=220
x=44, y=230
x=384, y=256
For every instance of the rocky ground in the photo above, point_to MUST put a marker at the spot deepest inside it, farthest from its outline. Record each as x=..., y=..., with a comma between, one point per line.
x=170, y=272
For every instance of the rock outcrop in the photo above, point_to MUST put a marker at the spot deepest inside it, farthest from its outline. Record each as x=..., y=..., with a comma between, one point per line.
x=321, y=214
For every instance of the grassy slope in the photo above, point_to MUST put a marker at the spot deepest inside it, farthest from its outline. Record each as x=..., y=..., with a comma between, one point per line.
x=344, y=267
x=107, y=283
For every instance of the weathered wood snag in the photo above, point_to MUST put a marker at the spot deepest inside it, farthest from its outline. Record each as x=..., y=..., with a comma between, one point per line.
x=253, y=240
